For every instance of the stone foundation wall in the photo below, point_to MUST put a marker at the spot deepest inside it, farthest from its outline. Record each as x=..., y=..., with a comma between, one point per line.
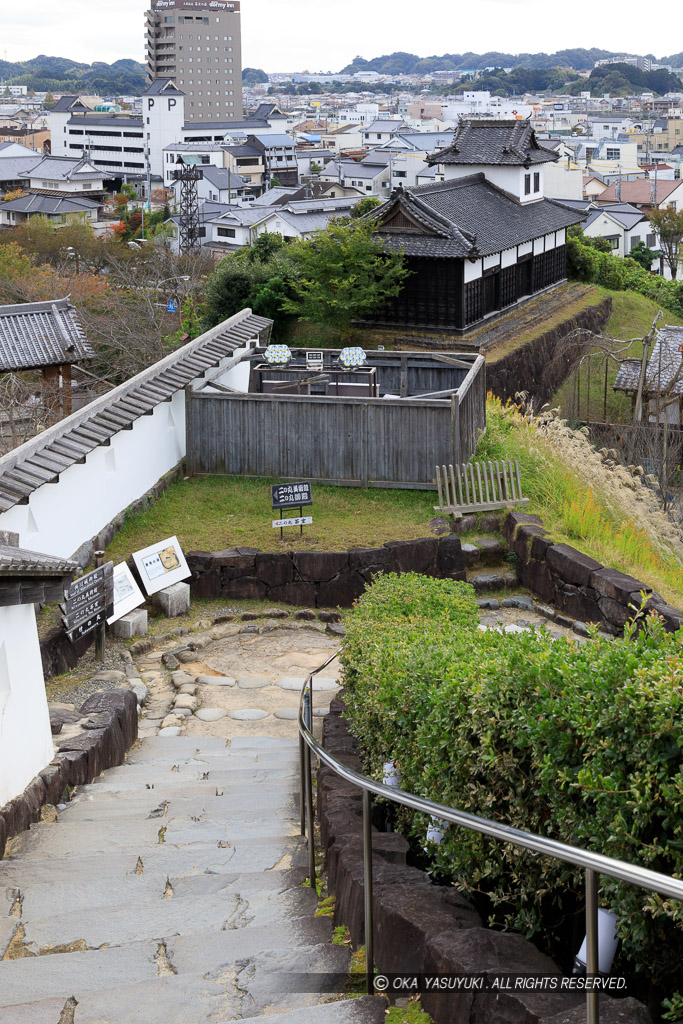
x=318, y=579
x=576, y=584
x=112, y=727
x=421, y=928
x=540, y=366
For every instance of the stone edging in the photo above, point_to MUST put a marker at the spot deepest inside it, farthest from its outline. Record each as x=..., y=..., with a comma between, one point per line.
x=318, y=579
x=576, y=584
x=421, y=928
x=112, y=727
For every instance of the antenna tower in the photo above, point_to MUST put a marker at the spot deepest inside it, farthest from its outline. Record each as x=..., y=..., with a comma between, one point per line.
x=188, y=176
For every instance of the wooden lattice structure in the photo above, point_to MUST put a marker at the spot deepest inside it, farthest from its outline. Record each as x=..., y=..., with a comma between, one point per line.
x=479, y=487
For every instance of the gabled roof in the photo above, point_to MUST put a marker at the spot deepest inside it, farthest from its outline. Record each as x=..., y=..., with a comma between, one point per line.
x=221, y=177
x=269, y=111
x=159, y=86
x=30, y=577
x=67, y=103
x=508, y=143
x=14, y=168
x=64, y=168
x=640, y=192
x=624, y=214
x=667, y=357
x=49, y=206
x=384, y=125
x=467, y=217
x=35, y=334
x=43, y=458
x=20, y=562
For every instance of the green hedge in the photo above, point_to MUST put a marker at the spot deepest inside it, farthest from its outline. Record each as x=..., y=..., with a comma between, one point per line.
x=586, y=263
x=579, y=742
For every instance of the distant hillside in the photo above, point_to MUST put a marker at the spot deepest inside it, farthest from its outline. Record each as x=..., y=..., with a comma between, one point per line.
x=61, y=74
x=411, y=64
x=624, y=80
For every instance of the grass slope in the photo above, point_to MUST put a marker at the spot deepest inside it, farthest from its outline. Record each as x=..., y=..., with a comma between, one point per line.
x=213, y=513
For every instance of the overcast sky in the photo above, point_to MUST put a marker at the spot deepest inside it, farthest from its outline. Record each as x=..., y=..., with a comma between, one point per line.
x=324, y=35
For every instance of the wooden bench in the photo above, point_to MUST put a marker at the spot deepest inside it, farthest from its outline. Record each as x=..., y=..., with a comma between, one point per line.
x=479, y=487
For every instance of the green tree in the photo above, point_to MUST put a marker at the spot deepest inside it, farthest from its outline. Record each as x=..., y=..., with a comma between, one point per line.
x=253, y=76
x=275, y=183
x=315, y=167
x=245, y=280
x=668, y=224
x=364, y=206
x=49, y=100
x=642, y=255
x=342, y=273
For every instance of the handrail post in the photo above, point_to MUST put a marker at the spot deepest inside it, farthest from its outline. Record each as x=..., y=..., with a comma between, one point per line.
x=367, y=892
x=592, y=960
x=302, y=783
x=311, y=819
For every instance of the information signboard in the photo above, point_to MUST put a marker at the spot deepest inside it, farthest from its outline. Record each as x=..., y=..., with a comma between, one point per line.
x=295, y=521
x=161, y=565
x=127, y=594
x=286, y=496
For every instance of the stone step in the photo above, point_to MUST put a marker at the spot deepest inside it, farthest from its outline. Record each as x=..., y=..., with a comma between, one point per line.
x=62, y=838
x=198, y=764
x=236, y=910
x=167, y=802
x=272, y=853
x=60, y=896
x=188, y=746
x=365, y=1010
x=222, y=777
x=216, y=959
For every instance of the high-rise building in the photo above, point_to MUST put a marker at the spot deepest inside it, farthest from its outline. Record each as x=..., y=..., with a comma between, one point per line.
x=197, y=44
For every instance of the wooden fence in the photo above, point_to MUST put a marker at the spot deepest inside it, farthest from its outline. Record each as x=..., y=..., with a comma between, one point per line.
x=376, y=442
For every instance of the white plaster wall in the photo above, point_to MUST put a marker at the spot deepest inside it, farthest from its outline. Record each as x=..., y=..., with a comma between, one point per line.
x=509, y=178
x=538, y=246
x=25, y=738
x=472, y=270
x=60, y=517
x=525, y=248
x=562, y=182
x=560, y=236
x=492, y=261
x=508, y=258
x=163, y=118
x=550, y=241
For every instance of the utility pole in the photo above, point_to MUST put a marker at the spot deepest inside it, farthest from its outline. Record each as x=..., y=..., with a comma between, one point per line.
x=647, y=341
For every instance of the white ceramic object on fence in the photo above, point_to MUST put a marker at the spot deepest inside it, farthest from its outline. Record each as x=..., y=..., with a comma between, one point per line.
x=607, y=943
x=391, y=776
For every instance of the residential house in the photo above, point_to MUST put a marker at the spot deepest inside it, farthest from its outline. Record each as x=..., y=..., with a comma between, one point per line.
x=217, y=185
x=662, y=396
x=645, y=193
x=56, y=209
x=278, y=154
x=60, y=174
x=15, y=162
x=622, y=225
x=371, y=178
x=380, y=131
x=592, y=186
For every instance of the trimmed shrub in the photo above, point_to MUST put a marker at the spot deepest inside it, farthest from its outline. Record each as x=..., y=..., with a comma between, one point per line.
x=578, y=742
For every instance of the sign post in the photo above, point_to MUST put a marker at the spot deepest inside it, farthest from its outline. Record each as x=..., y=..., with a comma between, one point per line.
x=89, y=602
x=285, y=498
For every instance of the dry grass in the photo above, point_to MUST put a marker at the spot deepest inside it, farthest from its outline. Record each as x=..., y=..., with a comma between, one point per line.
x=586, y=500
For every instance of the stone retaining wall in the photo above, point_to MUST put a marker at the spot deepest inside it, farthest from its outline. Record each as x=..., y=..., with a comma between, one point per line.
x=109, y=723
x=576, y=584
x=318, y=579
x=540, y=366
x=421, y=928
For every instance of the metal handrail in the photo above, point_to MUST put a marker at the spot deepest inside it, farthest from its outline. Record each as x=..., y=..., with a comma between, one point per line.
x=594, y=864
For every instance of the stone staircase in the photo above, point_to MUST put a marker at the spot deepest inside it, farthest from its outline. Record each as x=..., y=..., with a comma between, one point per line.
x=169, y=892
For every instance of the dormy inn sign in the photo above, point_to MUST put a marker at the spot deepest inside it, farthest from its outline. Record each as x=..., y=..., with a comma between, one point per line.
x=199, y=5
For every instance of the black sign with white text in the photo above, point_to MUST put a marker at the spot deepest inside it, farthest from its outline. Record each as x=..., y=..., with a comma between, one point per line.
x=89, y=601
x=291, y=495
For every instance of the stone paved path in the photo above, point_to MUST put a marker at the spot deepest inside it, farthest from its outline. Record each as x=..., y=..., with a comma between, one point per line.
x=169, y=891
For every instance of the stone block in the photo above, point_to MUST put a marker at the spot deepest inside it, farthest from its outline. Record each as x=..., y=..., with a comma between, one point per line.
x=576, y=603
x=416, y=555
x=571, y=566
x=297, y=593
x=523, y=539
x=470, y=553
x=200, y=561
x=342, y=591
x=131, y=624
x=673, y=617
x=617, y=585
x=536, y=576
x=440, y=526
x=487, y=581
x=540, y=542
x=450, y=558
x=173, y=601
x=491, y=550
x=614, y=612
x=513, y=519
x=372, y=560
x=465, y=524
x=246, y=588
x=235, y=558
x=275, y=570
x=316, y=566
x=207, y=584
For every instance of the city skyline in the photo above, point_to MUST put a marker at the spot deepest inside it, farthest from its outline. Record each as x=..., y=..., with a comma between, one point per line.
x=273, y=37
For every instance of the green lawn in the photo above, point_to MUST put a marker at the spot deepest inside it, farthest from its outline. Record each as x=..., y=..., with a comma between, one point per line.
x=631, y=318
x=213, y=513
